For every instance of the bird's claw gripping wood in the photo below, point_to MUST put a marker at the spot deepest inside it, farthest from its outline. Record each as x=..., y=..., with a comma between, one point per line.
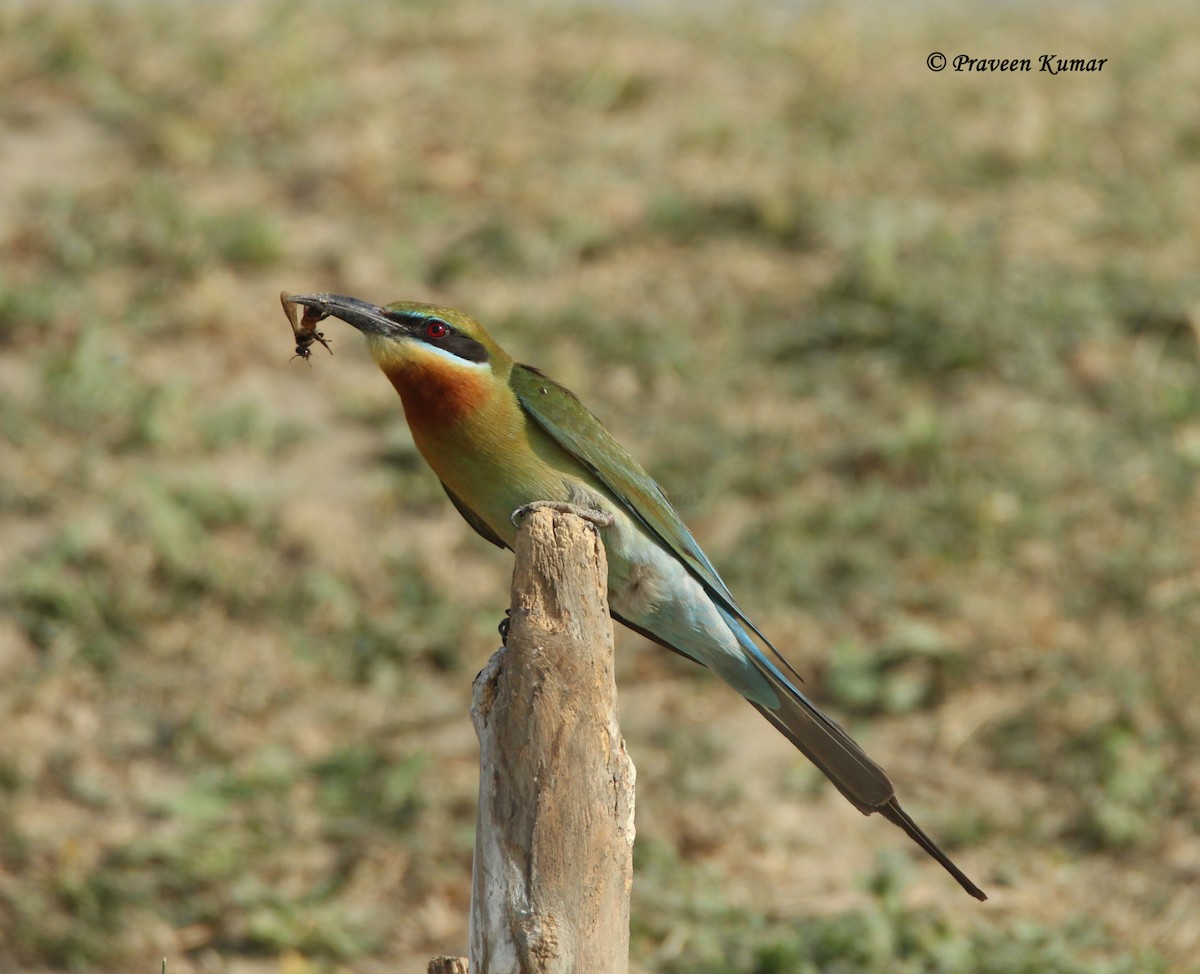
x=600, y=519
x=304, y=326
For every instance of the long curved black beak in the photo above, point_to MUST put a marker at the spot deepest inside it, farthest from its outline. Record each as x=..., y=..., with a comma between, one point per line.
x=362, y=315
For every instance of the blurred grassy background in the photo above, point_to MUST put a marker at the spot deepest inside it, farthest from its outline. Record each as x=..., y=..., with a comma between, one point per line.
x=917, y=352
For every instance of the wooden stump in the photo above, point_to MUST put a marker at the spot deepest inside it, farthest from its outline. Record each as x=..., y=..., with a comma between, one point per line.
x=447, y=965
x=554, y=841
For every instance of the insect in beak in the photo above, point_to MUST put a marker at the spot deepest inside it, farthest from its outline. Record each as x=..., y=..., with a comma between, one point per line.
x=304, y=327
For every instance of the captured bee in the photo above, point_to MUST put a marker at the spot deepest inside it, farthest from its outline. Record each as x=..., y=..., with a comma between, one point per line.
x=304, y=328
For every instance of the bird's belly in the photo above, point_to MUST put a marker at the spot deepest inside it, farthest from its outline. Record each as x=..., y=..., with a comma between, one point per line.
x=652, y=589
x=647, y=584
x=644, y=581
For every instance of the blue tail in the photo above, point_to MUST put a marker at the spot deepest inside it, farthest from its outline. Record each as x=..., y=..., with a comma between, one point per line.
x=864, y=783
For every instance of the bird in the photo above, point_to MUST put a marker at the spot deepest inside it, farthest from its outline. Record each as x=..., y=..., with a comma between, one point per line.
x=504, y=438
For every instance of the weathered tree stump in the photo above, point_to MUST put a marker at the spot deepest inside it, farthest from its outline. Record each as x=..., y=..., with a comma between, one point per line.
x=554, y=840
x=447, y=965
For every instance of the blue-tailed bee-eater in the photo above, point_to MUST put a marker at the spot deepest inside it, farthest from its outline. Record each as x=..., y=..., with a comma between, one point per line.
x=502, y=436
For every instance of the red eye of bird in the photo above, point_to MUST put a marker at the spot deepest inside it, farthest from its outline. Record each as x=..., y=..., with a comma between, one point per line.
x=437, y=329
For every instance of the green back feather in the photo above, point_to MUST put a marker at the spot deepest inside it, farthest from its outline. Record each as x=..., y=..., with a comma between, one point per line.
x=558, y=411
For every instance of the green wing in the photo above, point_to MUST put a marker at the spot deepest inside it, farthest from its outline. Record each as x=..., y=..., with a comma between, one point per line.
x=565, y=419
x=558, y=411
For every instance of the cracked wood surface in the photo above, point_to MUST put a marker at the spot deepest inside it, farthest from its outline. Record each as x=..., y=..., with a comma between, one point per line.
x=554, y=839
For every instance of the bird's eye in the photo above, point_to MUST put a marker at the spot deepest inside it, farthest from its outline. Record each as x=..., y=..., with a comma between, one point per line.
x=437, y=329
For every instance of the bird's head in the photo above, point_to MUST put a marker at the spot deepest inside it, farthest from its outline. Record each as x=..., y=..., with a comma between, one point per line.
x=408, y=333
x=440, y=360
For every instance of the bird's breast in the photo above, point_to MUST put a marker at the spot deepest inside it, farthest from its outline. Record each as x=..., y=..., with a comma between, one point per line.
x=437, y=396
x=471, y=430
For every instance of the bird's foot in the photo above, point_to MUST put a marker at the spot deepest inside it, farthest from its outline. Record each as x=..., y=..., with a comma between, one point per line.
x=505, y=623
x=601, y=519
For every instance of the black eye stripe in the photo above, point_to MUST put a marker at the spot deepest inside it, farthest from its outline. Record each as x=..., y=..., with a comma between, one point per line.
x=453, y=341
x=464, y=347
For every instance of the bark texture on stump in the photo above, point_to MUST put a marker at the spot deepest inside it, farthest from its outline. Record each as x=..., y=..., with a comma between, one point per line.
x=554, y=840
x=447, y=965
